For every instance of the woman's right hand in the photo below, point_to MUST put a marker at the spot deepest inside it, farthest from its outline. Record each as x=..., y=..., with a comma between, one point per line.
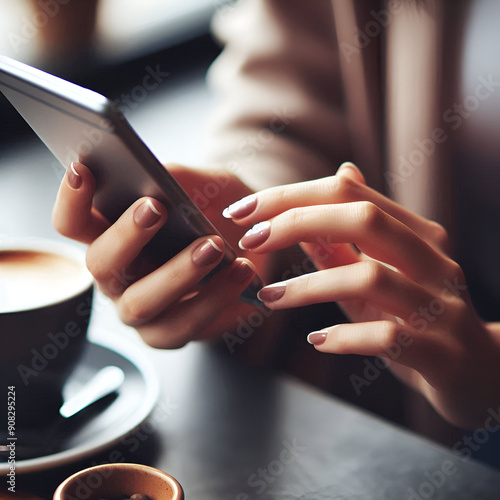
x=167, y=306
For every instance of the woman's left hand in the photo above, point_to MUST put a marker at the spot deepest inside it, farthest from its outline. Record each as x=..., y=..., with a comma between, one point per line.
x=390, y=271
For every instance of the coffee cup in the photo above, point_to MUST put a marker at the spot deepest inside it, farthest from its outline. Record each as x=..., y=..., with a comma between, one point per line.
x=45, y=306
x=120, y=480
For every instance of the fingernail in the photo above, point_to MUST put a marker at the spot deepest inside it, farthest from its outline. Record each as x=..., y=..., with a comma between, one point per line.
x=146, y=214
x=317, y=338
x=241, y=273
x=273, y=292
x=255, y=236
x=241, y=208
x=74, y=178
x=206, y=253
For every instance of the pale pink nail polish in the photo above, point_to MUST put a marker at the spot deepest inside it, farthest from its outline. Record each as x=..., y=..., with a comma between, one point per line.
x=272, y=293
x=255, y=236
x=241, y=208
x=206, y=253
x=317, y=338
x=74, y=178
x=146, y=214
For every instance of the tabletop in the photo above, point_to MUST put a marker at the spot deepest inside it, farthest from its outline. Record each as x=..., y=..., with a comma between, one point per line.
x=230, y=431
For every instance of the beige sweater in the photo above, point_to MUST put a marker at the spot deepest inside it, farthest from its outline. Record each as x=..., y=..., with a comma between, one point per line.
x=407, y=90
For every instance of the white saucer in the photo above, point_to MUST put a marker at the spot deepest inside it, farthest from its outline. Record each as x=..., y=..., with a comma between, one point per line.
x=136, y=400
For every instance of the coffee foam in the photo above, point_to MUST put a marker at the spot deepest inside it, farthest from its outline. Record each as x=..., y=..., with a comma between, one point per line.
x=32, y=279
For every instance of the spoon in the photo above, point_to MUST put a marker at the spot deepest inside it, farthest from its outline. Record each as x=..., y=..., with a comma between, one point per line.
x=106, y=381
x=89, y=400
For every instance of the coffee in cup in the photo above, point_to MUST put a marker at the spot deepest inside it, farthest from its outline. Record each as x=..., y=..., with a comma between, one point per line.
x=45, y=306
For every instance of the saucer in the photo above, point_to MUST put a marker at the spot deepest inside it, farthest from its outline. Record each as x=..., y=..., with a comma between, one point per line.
x=135, y=401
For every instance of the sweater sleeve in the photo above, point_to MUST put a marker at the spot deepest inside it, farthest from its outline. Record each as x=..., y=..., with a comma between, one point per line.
x=279, y=104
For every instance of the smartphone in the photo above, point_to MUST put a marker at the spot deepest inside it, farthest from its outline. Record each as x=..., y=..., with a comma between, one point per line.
x=78, y=124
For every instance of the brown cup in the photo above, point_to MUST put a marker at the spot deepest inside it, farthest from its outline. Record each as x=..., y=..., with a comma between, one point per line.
x=45, y=305
x=112, y=481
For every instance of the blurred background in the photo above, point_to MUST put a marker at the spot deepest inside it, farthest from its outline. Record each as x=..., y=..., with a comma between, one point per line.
x=109, y=46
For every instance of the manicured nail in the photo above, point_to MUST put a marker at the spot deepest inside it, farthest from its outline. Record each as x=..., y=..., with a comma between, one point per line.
x=206, y=253
x=241, y=273
x=146, y=214
x=74, y=178
x=255, y=236
x=241, y=208
x=317, y=338
x=273, y=292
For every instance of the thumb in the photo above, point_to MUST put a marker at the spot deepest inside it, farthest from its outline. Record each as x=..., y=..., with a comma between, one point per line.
x=348, y=169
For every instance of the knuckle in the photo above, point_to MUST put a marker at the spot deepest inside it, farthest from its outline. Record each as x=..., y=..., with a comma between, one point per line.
x=458, y=313
x=389, y=335
x=281, y=196
x=370, y=216
x=294, y=219
x=373, y=275
x=132, y=310
x=458, y=272
x=342, y=187
x=439, y=235
x=454, y=271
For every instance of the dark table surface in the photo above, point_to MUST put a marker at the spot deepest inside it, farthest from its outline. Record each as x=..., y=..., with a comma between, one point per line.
x=236, y=432
x=229, y=431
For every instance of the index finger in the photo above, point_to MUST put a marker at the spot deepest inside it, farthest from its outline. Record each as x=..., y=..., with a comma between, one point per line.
x=344, y=187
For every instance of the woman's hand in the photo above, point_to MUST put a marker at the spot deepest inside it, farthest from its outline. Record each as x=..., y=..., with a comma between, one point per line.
x=390, y=271
x=167, y=306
